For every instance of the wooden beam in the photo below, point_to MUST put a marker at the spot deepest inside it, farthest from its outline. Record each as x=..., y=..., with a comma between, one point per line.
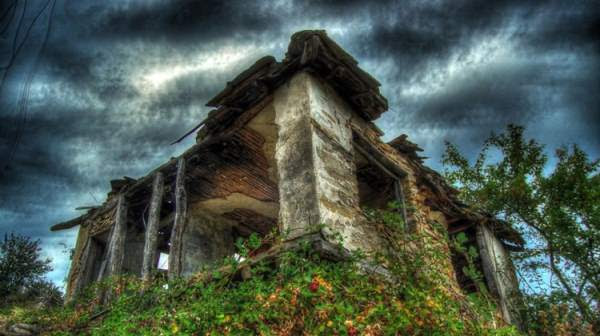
x=460, y=228
x=167, y=166
x=149, y=262
x=90, y=215
x=88, y=207
x=117, y=241
x=68, y=224
x=374, y=155
x=374, y=161
x=179, y=223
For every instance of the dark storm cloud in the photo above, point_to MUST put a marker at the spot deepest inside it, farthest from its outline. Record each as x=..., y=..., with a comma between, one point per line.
x=553, y=52
x=184, y=21
x=413, y=32
x=118, y=81
x=494, y=96
x=566, y=25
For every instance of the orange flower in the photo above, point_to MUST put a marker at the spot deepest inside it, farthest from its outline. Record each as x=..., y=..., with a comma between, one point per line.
x=272, y=297
x=294, y=298
x=323, y=283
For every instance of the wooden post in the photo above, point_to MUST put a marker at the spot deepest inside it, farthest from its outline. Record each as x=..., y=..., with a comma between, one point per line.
x=149, y=263
x=117, y=241
x=179, y=222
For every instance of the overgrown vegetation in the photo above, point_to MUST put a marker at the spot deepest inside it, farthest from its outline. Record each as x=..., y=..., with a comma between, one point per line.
x=403, y=290
x=297, y=293
x=557, y=209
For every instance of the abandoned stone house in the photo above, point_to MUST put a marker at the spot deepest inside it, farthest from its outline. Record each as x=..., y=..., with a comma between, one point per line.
x=289, y=145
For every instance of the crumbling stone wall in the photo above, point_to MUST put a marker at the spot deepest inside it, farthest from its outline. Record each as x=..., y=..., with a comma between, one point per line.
x=421, y=216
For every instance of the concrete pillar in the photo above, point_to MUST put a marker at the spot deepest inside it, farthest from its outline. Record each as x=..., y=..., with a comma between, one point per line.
x=315, y=161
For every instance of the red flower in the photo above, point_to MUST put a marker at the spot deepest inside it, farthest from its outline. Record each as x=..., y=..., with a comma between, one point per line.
x=352, y=331
x=314, y=286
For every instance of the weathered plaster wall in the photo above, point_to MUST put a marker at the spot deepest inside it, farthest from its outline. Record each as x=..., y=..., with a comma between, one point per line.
x=335, y=169
x=220, y=206
x=299, y=210
x=134, y=252
x=206, y=239
x=316, y=168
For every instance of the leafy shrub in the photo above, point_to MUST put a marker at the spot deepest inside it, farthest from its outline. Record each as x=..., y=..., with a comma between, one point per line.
x=21, y=273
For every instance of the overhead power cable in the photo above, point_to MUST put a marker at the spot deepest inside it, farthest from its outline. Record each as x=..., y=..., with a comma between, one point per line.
x=24, y=96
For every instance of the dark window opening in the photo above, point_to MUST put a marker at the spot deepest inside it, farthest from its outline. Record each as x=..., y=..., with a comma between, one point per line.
x=378, y=187
x=163, y=247
x=95, y=258
x=466, y=281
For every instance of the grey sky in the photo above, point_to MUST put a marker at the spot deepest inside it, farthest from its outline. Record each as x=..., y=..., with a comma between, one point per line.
x=117, y=81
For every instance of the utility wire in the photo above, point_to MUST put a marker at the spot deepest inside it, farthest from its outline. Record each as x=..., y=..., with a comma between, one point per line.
x=24, y=97
x=16, y=51
x=13, y=7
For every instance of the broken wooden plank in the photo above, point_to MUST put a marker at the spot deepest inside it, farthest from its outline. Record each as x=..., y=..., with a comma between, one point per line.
x=87, y=207
x=68, y=224
x=188, y=132
x=179, y=222
x=149, y=261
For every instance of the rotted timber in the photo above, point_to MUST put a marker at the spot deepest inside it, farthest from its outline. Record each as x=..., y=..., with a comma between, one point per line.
x=151, y=236
x=117, y=242
x=175, y=252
